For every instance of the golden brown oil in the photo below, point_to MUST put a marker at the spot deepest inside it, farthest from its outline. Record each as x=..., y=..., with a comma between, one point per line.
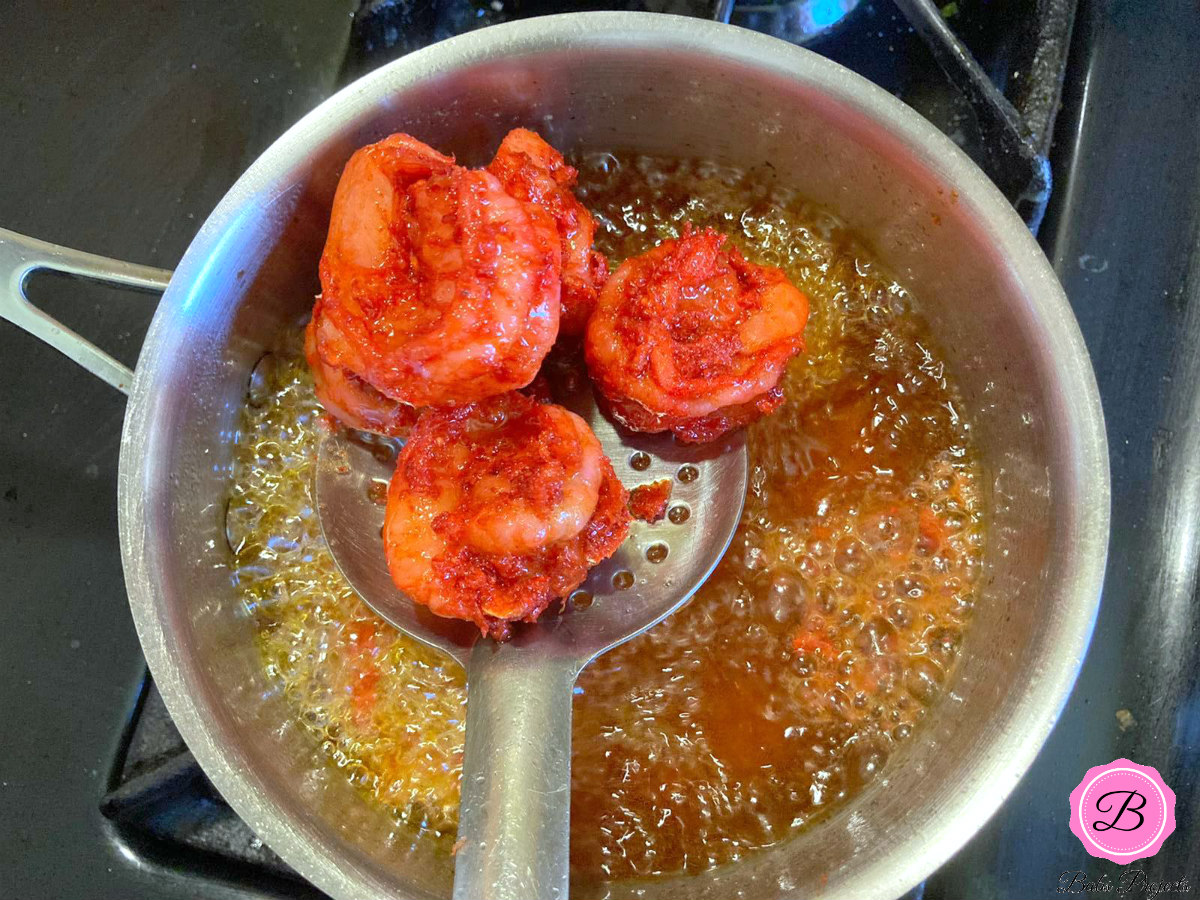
x=784, y=685
x=387, y=710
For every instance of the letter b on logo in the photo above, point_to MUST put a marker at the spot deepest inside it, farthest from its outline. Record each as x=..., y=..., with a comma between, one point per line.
x=1132, y=802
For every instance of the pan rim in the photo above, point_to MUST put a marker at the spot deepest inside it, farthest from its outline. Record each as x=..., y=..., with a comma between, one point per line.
x=1085, y=507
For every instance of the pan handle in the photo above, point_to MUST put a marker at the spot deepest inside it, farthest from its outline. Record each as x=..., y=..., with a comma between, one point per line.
x=20, y=256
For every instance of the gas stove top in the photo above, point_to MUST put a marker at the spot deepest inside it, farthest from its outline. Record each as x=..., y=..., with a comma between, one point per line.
x=133, y=127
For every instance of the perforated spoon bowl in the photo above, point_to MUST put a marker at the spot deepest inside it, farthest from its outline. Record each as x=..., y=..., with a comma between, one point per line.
x=514, y=815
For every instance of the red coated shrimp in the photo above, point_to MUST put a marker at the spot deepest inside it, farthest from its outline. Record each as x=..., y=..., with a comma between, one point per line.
x=498, y=507
x=345, y=395
x=533, y=171
x=443, y=287
x=692, y=338
x=503, y=516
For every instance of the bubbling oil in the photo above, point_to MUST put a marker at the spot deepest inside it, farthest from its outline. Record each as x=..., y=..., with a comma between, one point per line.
x=782, y=688
x=387, y=710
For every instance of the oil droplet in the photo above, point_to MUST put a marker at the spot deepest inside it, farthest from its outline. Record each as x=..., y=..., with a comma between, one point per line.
x=623, y=580
x=640, y=461
x=656, y=553
x=679, y=514
x=687, y=474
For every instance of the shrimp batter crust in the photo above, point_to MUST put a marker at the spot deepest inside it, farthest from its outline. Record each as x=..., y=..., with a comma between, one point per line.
x=692, y=338
x=499, y=507
x=533, y=171
x=648, y=502
x=344, y=394
x=440, y=287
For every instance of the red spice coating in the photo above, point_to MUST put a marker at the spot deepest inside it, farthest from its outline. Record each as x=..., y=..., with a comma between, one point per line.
x=444, y=286
x=648, y=502
x=692, y=338
x=505, y=469
x=533, y=171
x=346, y=396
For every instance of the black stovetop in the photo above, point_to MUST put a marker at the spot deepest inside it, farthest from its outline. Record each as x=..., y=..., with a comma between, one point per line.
x=120, y=131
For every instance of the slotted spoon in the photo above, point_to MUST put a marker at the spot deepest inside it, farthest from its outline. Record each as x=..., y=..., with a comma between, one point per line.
x=516, y=781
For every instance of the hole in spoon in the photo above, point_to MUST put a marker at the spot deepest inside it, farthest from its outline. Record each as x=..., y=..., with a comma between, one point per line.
x=687, y=474
x=377, y=491
x=581, y=599
x=656, y=553
x=640, y=461
x=623, y=580
x=679, y=514
x=336, y=455
x=382, y=449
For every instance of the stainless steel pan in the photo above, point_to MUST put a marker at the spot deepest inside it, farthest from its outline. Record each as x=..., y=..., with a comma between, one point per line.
x=663, y=85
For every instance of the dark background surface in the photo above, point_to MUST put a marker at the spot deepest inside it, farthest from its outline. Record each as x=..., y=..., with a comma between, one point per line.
x=122, y=126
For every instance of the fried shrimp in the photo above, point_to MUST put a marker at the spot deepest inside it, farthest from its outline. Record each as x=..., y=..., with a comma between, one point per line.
x=498, y=507
x=443, y=287
x=533, y=171
x=345, y=395
x=692, y=338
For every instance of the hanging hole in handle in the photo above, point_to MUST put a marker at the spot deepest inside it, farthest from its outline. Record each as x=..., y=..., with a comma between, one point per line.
x=23, y=257
x=105, y=314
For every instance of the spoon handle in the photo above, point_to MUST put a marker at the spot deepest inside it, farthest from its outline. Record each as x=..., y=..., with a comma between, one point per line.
x=516, y=782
